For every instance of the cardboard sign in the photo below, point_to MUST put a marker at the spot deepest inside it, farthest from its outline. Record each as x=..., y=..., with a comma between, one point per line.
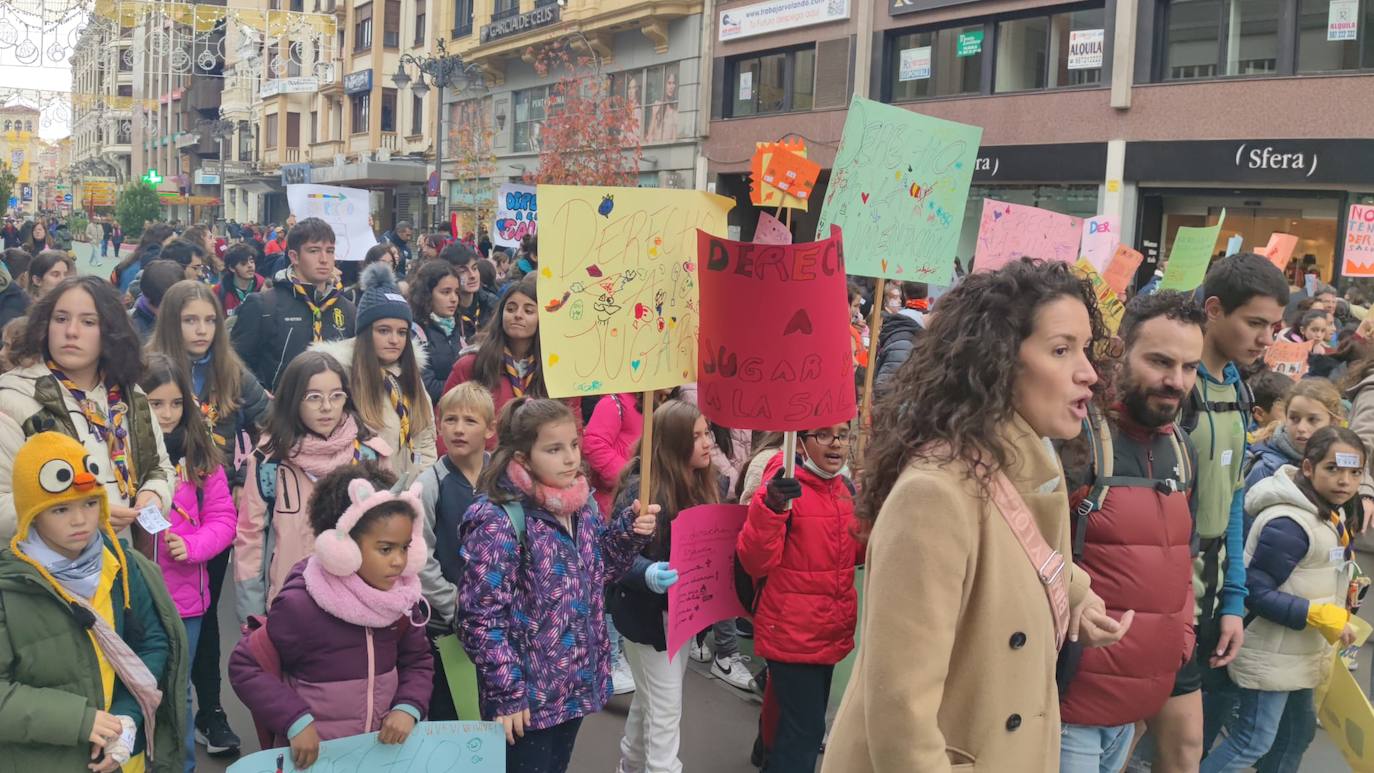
x=703, y=553
x=1359, y=242
x=770, y=230
x=1100, y=237
x=1234, y=244
x=765, y=194
x=898, y=190
x=1279, y=250
x=432, y=747
x=344, y=209
x=1108, y=303
x=1348, y=718
x=1121, y=269
x=1190, y=256
x=1008, y=232
x=517, y=215
x=792, y=174
x=1289, y=357
x=775, y=346
x=618, y=306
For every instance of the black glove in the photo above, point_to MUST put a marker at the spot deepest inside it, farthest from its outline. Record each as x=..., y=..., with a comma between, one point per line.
x=781, y=491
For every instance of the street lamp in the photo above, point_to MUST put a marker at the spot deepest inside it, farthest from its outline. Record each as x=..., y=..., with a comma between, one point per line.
x=440, y=70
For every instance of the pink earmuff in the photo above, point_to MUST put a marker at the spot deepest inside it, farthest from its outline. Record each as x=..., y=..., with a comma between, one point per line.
x=339, y=554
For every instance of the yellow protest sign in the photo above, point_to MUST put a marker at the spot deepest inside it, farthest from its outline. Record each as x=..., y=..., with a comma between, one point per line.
x=618, y=299
x=1113, y=310
x=1348, y=718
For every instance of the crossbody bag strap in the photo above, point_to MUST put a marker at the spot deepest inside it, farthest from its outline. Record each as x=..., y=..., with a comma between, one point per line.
x=1048, y=563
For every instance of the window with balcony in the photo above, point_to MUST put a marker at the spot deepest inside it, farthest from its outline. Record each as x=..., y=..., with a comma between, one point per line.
x=1210, y=38
x=391, y=24
x=1335, y=35
x=417, y=116
x=504, y=9
x=270, y=141
x=359, y=107
x=419, y=23
x=462, y=18
x=388, y=110
x=1063, y=50
x=529, y=117
x=362, y=27
x=777, y=82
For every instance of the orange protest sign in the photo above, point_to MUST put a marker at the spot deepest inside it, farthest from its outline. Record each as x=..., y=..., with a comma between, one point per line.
x=1289, y=357
x=1121, y=268
x=764, y=194
x=792, y=174
x=1280, y=248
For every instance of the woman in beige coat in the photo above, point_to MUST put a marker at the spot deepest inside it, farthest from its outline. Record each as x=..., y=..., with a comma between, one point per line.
x=956, y=669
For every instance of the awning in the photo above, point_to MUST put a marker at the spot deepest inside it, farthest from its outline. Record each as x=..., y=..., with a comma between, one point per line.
x=376, y=173
x=254, y=186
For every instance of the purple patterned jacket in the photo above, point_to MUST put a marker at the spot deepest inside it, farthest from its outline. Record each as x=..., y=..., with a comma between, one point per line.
x=532, y=616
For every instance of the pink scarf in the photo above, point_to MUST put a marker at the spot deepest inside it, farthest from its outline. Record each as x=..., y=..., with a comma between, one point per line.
x=559, y=501
x=352, y=600
x=320, y=456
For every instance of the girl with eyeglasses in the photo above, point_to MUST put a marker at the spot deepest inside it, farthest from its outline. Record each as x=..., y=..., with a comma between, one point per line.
x=312, y=429
x=798, y=538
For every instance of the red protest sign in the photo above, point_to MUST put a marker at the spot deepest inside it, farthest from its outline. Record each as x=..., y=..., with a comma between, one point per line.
x=775, y=351
x=1288, y=357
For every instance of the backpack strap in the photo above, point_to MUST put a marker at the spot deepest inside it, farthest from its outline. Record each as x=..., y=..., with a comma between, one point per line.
x=267, y=480
x=515, y=511
x=1099, y=436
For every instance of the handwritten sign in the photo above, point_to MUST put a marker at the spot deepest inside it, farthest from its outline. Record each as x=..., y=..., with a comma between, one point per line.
x=344, y=209
x=1122, y=268
x=1348, y=717
x=762, y=193
x=775, y=352
x=770, y=230
x=433, y=747
x=791, y=173
x=898, y=190
x=703, y=550
x=517, y=215
x=1108, y=303
x=1008, y=232
x=618, y=308
x=1100, y=237
x=1289, y=357
x=1190, y=256
x=1359, y=242
x=1279, y=250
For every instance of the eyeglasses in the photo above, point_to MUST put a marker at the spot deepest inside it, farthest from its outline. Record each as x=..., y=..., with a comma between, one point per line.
x=317, y=400
x=828, y=438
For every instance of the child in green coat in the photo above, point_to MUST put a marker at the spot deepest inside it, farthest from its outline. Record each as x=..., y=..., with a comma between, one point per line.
x=91, y=649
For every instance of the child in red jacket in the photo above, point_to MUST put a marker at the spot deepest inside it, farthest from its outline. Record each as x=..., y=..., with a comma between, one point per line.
x=798, y=537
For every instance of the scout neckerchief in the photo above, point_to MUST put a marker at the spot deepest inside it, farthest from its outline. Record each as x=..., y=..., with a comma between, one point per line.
x=472, y=322
x=519, y=372
x=401, y=403
x=207, y=409
x=109, y=429
x=307, y=294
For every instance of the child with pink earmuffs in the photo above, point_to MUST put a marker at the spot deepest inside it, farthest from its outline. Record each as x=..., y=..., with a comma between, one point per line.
x=304, y=673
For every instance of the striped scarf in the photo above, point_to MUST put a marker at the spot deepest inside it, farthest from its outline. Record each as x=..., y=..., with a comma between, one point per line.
x=307, y=294
x=109, y=429
x=401, y=403
x=520, y=373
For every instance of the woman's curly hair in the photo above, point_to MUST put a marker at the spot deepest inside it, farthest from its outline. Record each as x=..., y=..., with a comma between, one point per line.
x=954, y=393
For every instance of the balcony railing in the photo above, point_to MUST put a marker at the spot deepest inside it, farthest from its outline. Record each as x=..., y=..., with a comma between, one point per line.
x=505, y=13
x=326, y=150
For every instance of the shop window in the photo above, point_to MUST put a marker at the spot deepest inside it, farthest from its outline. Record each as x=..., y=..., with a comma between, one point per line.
x=937, y=63
x=1066, y=49
x=1335, y=35
x=651, y=95
x=388, y=110
x=778, y=82
x=360, y=105
x=529, y=117
x=1207, y=38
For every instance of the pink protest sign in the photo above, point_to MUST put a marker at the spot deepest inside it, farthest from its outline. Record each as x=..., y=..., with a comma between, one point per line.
x=1280, y=248
x=1100, y=237
x=703, y=553
x=770, y=230
x=1359, y=242
x=775, y=352
x=1008, y=232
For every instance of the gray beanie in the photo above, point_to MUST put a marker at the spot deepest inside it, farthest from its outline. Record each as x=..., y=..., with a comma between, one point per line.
x=381, y=298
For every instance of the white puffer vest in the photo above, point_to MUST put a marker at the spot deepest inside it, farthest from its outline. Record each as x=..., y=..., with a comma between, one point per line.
x=1276, y=657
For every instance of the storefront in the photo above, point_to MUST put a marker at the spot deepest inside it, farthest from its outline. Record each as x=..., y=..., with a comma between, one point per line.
x=1301, y=187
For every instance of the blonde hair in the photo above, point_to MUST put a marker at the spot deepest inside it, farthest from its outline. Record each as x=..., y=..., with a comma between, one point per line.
x=1318, y=390
x=467, y=396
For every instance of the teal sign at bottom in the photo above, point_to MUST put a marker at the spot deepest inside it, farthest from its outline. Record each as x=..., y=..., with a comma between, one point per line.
x=433, y=747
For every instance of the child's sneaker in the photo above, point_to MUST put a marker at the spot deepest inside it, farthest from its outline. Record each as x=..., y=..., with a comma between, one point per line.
x=622, y=679
x=700, y=652
x=213, y=732
x=731, y=670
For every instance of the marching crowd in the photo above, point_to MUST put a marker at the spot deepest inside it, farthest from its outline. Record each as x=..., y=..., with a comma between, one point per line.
x=1082, y=551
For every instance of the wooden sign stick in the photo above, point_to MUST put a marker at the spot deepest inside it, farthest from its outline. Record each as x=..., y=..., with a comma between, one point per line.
x=875, y=327
x=646, y=449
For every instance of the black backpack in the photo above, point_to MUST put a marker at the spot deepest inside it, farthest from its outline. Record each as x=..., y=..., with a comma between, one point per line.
x=749, y=589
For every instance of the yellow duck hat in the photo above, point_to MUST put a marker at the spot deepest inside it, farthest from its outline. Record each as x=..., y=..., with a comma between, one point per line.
x=50, y=469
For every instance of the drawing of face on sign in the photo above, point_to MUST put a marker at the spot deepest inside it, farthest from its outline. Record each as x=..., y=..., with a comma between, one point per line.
x=792, y=174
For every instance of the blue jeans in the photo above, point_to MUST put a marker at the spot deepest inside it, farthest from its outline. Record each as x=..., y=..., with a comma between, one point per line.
x=1090, y=749
x=192, y=638
x=1249, y=732
x=1296, y=731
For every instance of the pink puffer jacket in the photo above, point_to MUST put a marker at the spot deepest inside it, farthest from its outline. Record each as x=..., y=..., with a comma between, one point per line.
x=206, y=521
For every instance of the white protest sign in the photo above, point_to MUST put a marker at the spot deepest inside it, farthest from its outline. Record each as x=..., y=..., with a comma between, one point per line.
x=344, y=209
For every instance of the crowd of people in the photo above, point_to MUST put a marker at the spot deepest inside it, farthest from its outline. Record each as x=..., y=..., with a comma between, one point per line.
x=1082, y=551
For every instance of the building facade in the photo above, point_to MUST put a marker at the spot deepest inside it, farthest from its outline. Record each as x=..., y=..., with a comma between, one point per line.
x=1161, y=112
x=20, y=148
x=102, y=112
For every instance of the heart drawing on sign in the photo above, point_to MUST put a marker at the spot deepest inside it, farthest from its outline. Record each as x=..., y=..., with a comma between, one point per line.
x=864, y=196
x=800, y=323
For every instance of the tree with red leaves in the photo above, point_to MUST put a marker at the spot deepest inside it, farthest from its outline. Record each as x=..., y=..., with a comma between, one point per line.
x=589, y=135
